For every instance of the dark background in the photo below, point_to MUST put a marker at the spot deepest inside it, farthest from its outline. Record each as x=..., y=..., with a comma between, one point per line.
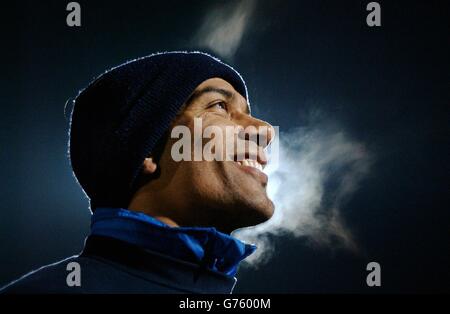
x=389, y=86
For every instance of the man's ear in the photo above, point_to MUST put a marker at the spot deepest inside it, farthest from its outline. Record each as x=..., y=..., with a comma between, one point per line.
x=149, y=166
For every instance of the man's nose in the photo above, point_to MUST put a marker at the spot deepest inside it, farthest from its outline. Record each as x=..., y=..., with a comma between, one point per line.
x=257, y=130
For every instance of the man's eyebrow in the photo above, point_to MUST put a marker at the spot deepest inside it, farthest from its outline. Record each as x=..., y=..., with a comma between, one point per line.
x=209, y=89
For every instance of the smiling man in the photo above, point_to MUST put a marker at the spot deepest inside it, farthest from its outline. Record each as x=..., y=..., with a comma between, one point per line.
x=160, y=224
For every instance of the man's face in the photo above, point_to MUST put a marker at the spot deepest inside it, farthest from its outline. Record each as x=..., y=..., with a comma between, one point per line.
x=222, y=193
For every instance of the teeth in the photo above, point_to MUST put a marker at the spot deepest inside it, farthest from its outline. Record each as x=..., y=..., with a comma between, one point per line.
x=251, y=163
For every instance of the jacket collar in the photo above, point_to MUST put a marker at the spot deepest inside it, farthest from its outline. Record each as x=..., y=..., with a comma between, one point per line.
x=205, y=247
x=150, y=267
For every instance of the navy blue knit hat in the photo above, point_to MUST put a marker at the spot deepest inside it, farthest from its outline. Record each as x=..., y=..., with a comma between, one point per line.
x=118, y=119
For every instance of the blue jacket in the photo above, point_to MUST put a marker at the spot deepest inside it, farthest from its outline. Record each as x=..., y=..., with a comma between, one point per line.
x=129, y=252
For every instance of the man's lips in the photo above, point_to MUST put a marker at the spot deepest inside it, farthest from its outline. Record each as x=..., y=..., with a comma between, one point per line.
x=251, y=167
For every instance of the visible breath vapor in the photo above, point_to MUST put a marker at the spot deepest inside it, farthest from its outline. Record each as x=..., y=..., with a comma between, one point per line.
x=318, y=170
x=224, y=27
x=319, y=166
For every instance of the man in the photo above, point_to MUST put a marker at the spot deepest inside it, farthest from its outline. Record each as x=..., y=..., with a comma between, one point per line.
x=161, y=225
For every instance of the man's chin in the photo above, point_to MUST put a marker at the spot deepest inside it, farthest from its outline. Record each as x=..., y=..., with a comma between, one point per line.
x=244, y=214
x=257, y=213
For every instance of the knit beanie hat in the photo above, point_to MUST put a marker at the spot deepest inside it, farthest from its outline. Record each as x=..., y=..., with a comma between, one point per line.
x=118, y=119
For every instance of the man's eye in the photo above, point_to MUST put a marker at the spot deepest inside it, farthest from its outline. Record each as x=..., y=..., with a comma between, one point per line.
x=220, y=105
